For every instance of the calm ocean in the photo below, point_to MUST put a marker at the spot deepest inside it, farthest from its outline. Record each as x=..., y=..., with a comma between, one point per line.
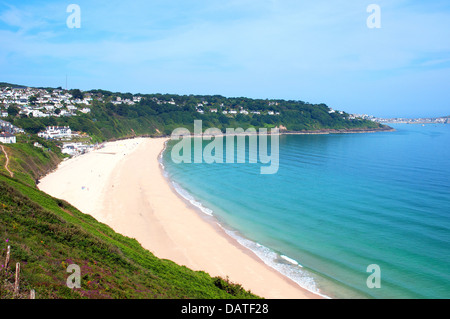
x=340, y=203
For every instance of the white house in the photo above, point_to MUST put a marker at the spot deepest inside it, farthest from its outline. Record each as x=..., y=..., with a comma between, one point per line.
x=58, y=132
x=38, y=113
x=23, y=100
x=7, y=138
x=75, y=148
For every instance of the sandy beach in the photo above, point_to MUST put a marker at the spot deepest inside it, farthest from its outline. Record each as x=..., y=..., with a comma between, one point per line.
x=123, y=186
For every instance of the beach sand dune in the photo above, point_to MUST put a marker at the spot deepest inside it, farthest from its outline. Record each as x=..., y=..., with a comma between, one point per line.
x=122, y=185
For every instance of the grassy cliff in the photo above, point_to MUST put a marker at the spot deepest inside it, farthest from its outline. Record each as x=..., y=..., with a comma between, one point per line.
x=46, y=235
x=29, y=162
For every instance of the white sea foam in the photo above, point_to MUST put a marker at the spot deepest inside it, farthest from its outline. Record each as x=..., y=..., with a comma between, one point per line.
x=293, y=270
x=290, y=260
x=161, y=160
x=185, y=194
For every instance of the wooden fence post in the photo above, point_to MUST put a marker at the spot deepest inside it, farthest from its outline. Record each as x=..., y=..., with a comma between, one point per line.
x=32, y=294
x=16, y=283
x=8, y=251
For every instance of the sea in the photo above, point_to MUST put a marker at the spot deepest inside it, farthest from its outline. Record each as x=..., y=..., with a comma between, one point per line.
x=345, y=216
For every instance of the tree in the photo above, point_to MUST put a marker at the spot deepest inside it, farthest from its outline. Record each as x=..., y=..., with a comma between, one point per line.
x=76, y=94
x=13, y=110
x=122, y=110
x=32, y=99
x=256, y=121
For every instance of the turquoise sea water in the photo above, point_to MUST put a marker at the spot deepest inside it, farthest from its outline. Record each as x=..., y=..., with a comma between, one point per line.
x=338, y=204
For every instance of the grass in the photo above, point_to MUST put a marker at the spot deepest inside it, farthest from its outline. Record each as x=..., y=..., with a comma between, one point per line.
x=46, y=235
x=29, y=162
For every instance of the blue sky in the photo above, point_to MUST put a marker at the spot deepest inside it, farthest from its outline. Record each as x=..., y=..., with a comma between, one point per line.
x=315, y=51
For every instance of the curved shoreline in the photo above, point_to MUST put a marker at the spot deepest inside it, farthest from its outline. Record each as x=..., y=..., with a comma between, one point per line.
x=234, y=236
x=126, y=189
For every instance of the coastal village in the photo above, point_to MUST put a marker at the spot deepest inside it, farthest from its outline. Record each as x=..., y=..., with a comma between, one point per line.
x=47, y=102
x=33, y=102
x=40, y=102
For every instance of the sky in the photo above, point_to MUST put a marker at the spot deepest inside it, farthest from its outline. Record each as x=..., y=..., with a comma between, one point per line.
x=315, y=51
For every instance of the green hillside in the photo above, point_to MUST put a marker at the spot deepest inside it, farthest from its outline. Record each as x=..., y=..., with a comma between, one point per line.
x=160, y=114
x=46, y=235
x=29, y=162
x=5, y=84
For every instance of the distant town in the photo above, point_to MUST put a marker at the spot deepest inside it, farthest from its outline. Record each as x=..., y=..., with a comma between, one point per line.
x=401, y=120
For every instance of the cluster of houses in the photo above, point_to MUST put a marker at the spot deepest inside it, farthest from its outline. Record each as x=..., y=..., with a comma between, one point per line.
x=10, y=128
x=8, y=132
x=65, y=133
x=119, y=100
x=56, y=132
x=233, y=111
x=7, y=138
x=43, y=103
x=245, y=112
x=57, y=102
x=424, y=120
x=202, y=107
x=77, y=148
